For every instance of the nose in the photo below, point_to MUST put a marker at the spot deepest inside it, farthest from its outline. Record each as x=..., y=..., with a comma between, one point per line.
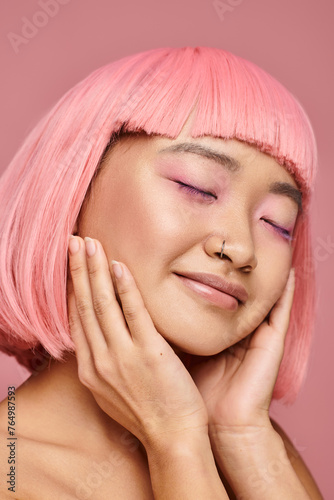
x=238, y=249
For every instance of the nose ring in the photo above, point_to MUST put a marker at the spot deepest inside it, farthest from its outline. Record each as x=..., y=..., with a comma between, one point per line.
x=222, y=250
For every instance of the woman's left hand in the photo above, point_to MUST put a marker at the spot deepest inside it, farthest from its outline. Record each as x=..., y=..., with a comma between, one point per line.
x=237, y=384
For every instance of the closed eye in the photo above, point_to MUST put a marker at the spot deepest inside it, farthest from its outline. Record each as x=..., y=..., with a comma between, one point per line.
x=196, y=191
x=280, y=230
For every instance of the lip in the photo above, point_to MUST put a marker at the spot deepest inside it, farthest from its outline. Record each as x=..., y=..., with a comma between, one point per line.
x=217, y=289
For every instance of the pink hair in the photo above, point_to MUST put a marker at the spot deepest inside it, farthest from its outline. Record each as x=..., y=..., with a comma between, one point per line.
x=43, y=188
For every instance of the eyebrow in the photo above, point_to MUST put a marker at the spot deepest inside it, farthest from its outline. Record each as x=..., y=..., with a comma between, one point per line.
x=287, y=189
x=188, y=147
x=283, y=188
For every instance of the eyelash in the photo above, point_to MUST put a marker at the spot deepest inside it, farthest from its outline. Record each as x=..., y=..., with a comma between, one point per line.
x=205, y=194
x=193, y=190
x=281, y=230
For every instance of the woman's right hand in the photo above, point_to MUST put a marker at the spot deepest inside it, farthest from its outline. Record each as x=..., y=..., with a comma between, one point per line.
x=132, y=372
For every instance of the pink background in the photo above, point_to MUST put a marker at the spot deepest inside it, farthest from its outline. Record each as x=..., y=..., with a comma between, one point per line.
x=292, y=40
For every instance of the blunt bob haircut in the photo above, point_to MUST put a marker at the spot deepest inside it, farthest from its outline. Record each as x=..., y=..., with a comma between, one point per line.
x=43, y=188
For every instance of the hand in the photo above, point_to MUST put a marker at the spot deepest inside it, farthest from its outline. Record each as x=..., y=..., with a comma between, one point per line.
x=132, y=372
x=237, y=384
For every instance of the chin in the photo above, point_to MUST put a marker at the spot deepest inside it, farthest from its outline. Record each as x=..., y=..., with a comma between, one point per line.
x=192, y=349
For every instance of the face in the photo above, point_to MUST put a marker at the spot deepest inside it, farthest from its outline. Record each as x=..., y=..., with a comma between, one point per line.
x=166, y=212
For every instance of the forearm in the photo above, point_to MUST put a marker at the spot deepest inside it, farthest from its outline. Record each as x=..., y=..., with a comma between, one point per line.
x=256, y=465
x=184, y=468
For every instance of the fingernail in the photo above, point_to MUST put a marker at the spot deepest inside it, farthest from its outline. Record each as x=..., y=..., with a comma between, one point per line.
x=117, y=269
x=90, y=246
x=73, y=245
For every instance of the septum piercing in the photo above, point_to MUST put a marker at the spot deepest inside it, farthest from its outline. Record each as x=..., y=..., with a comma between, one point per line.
x=222, y=250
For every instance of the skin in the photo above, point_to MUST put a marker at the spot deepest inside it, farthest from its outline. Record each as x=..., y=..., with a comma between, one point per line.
x=131, y=334
x=160, y=229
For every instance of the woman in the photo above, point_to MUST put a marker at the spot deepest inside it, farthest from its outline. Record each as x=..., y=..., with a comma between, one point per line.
x=184, y=176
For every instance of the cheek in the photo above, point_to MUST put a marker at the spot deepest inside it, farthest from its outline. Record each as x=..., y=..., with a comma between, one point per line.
x=274, y=255
x=275, y=269
x=142, y=224
x=269, y=280
x=269, y=289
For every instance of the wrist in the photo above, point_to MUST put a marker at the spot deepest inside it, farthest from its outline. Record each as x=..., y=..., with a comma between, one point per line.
x=250, y=436
x=245, y=448
x=255, y=462
x=177, y=442
x=184, y=465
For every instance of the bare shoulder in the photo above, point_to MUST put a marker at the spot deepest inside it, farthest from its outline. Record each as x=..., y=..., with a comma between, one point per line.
x=60, y=457
x=298, y=464
x=54, y=471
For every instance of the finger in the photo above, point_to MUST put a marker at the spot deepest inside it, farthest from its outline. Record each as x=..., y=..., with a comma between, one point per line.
x=266, y=349
x=83, y=296
x=280, y=315
x=106, y=308
x=136, y=315
x=77, y=334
